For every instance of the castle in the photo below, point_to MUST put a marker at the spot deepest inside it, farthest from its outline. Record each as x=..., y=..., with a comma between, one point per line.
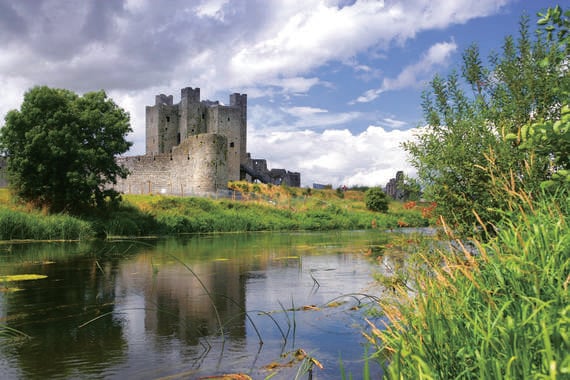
x=195, y=147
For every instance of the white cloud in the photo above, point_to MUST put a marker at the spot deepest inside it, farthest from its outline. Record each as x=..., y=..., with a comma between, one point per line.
x=139, y=48
x=12, y=95
x=294, y=84
x=238, y=44
x=413, y=75
x=211, y=8
x=297, y=118
x=338, y=157
x=304, y=111
x=393, y=123
x=313, y=32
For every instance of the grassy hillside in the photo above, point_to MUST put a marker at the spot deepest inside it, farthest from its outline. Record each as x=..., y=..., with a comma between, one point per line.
x=251, y=207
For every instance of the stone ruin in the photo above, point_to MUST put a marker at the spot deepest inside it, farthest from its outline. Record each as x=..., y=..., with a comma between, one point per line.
x=195, y=147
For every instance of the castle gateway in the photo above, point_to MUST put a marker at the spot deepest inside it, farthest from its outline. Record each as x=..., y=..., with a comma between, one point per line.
x=195, y=147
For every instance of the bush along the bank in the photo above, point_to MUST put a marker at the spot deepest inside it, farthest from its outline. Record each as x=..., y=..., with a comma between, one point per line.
x=376, y=200
x=501, y=312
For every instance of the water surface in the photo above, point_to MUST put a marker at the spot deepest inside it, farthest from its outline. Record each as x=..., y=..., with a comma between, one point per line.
x=189, y=307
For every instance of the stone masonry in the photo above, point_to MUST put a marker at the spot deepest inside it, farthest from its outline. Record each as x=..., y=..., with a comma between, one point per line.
x=195, y=147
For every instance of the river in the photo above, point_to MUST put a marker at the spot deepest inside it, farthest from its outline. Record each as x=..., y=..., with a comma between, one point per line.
x=190, y=307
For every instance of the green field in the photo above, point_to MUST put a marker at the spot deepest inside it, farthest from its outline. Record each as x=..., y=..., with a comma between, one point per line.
x=254, y=207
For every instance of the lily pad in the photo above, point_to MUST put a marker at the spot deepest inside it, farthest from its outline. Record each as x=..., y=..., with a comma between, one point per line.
x=9, y=290
x=287, y=258
x=22, y=277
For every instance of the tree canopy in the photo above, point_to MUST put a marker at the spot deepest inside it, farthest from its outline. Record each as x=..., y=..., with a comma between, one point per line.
x=475, y=147
x=61, y=148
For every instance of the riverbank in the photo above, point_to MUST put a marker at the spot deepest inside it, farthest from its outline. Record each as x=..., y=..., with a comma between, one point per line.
x=253, y=207
x=500, y=313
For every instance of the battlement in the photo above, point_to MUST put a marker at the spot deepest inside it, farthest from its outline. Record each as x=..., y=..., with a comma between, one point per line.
x=238, y=100
x=192, y=95
x=163, y=99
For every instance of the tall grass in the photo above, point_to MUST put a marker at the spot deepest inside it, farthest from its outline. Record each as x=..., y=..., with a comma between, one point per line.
x=502, y=313
x=16, y=224
x=274, y=209
x=197, y=215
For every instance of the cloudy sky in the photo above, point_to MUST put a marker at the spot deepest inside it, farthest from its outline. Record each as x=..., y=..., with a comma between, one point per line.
x=333, y=85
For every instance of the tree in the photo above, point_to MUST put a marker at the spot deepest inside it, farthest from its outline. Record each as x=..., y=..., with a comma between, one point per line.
x=61, y=148
x=466, y=152
x=376, y=199
x=550, y=136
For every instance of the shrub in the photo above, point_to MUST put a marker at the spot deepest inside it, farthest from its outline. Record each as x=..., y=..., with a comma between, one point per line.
x=376, y=200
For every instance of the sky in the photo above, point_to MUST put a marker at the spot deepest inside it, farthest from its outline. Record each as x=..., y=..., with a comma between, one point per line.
x=334, y=86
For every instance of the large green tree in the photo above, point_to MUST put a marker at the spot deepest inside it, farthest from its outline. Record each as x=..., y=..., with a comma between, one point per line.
x=61, y=148
x=466, y=155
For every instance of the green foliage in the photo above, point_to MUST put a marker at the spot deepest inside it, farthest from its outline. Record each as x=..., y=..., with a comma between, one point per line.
x=410, y=189
x=550, y=136
x=22, y=225
x=125, y=220
x=472, y=142
x=339, y=192
x=359, y=188
x=376, y=200
x=502, y=313
x=144, y=215
x=61, y=148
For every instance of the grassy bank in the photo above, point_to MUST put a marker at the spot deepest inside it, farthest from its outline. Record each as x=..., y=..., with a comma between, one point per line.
x=17, y=225
x=503, y=313
x=253, y=207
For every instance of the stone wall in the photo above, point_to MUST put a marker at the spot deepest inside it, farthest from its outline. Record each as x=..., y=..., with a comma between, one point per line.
x=198, y=166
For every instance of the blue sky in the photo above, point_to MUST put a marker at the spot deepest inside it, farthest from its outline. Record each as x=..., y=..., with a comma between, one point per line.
x=333, y=85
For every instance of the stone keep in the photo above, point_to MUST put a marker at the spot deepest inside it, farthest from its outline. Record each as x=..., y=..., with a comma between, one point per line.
x=193, y=147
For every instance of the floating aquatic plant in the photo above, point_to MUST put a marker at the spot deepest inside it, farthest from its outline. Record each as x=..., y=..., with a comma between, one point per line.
x=22, y=277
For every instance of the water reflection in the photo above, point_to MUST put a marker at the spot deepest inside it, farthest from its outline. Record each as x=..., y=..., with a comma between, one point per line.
x=51, y=310
x=145, y=309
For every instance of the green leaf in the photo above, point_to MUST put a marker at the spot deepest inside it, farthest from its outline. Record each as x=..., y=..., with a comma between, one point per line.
x=545, y=185
x=524, y=132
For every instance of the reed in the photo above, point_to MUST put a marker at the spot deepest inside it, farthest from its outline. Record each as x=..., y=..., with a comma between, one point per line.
x=16, y=224
x=503, y=312
x=8, y=332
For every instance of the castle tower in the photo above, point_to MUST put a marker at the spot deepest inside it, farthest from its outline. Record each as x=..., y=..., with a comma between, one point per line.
x=192, y=113
x=240, y=101
x=161, y=125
